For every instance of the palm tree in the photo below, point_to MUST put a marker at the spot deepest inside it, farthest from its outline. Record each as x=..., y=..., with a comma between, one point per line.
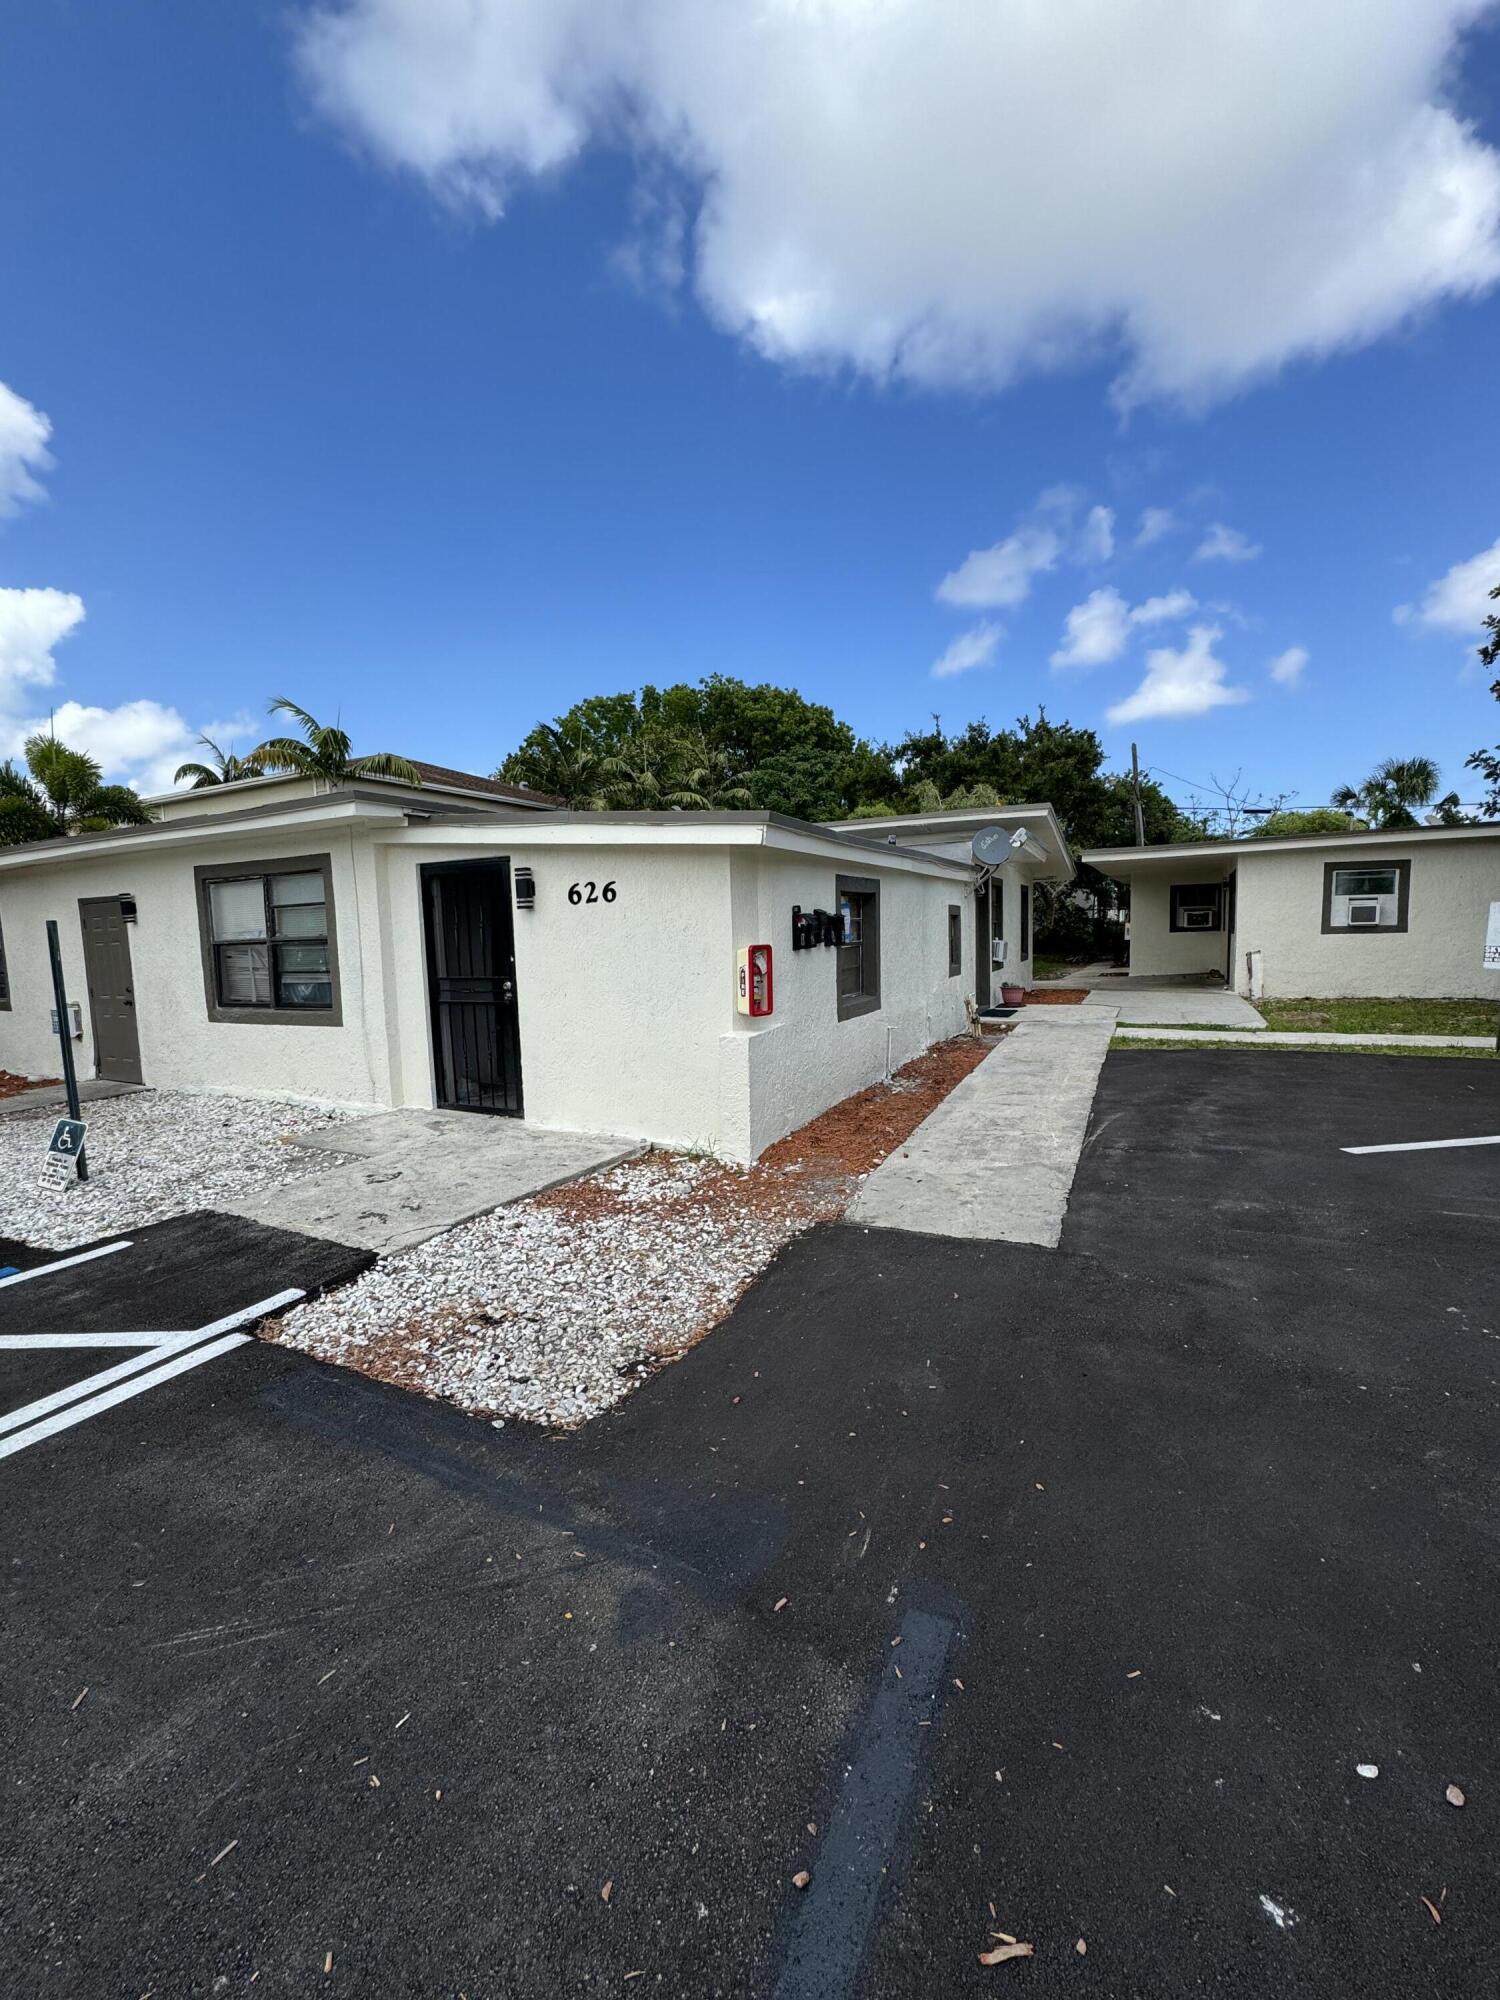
x=323, y=752
x=575, y=771
x=1395, y=792
x=674, y=771
x=63, y=794
x=226, y=768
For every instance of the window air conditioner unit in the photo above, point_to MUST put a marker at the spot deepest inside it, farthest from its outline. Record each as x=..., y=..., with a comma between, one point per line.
x=1363, y=910
x=997, y=951
x=1200, y=919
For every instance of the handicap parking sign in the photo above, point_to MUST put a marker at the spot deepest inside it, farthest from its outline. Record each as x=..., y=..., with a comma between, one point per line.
x=63, y=1149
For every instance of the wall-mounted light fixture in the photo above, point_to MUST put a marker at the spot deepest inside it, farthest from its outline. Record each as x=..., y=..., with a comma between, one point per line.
x=127, y=909
x=525, y=889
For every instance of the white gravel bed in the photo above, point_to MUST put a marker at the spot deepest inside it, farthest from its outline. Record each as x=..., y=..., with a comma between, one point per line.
x=150, y=1156
x=552, y=1313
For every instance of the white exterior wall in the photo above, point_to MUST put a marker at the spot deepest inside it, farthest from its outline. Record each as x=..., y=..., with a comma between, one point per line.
x=803, y=1058
x=180, y=1047
x=1439, y=956
x=627, y=1015
x=1156, y=950
x=620, y=1005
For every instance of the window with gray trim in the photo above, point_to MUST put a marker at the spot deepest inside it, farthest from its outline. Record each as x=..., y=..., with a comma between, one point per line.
x=1366, y=896
x=955, y=940
x=1197, y=906
x=268, y=942
x=859, y=945
x=4, y=974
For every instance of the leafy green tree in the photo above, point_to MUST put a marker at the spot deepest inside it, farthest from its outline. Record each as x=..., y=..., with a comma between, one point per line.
x=1316, y=819
x=323, y=751
x=1487, y=762
x=224, y=768
x=1395, y=792
x=64, y=793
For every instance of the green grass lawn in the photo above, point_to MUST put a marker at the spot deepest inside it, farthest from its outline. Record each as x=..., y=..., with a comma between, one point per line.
x=1168, y=1041
x=1384, y=1017
x=1048, y=968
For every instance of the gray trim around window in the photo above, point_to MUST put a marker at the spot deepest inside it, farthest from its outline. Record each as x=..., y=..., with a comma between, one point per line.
x=4, y=976
x=867, y=1000
x=955, y=940
x=1198, y=896
x=1364, y=863
x=280, y=1017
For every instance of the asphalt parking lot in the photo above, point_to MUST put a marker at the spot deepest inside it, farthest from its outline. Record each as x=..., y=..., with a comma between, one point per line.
x=312, y=1686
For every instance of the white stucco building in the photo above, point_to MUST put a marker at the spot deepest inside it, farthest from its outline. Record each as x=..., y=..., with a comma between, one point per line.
x=1322, y=916
x=465, y=945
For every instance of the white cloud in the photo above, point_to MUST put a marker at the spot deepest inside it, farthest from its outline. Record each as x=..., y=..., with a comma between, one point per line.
x=24, y=456
x=1095, y=631
x=974, y=648
x=1098, y=630
x=961, y=194
x=1288, y=667
x=1223, y=544
x=32, y=624
x=1159, y=610
x=1181, y=683
x=1002, y=574
x=1460, y=599
x=1097, y=539
x=1154, y=523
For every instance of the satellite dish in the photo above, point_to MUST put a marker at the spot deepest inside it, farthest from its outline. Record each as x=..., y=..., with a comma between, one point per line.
x=991, y=846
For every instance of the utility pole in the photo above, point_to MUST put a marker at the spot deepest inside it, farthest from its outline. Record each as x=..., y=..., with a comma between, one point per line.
x=1135, y=786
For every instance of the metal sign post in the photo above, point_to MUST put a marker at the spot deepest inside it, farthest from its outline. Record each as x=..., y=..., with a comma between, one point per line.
x=1492, y=960
x=70, y=1074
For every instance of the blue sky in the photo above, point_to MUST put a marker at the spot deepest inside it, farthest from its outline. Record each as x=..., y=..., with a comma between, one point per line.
x=326, y=421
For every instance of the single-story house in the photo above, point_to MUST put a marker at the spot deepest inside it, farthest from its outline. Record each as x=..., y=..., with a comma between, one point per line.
x=1325, y=915
x=1037, y=851
x=466, y=944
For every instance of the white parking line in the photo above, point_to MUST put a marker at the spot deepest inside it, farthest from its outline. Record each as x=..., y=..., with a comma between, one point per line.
x=32, y=1414
x=25, y=1343
x=61, y=1420
x=63, y=1263
x=1424, y=1145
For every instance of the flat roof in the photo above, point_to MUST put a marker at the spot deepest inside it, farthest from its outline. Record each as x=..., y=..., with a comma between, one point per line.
x=1120, y=861
x=401, y=819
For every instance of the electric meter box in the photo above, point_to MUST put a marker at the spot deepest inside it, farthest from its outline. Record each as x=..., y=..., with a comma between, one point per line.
x=752, y=984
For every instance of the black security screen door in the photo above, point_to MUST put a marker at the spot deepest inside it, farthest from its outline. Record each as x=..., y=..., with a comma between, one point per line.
x=471, y=975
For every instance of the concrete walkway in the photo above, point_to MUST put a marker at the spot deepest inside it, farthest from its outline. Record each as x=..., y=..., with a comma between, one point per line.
x=54, y=1096
x=996, y=1159
x=1288, y=1038
x=1178, y=1004
x=415, y=1173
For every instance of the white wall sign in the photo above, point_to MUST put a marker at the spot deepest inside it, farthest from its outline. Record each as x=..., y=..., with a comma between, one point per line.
x=1492, y=940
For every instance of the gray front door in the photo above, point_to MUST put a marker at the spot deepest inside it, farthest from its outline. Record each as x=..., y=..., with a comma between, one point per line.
x=982, y=945
x=106, y=965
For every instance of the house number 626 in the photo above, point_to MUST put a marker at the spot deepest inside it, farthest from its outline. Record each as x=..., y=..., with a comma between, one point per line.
x=590, y=892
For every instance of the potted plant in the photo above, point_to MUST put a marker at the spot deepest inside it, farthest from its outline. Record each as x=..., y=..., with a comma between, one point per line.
x=1012, y=996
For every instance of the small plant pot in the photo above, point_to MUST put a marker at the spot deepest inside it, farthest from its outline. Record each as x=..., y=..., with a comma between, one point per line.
x=1012, y=996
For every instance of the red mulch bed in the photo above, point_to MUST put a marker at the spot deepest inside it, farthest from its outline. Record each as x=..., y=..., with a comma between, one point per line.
x=812, y=1174
x=14, y=1086
x=1056, y=996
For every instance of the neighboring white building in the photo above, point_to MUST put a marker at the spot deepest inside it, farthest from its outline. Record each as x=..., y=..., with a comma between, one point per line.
x=1325, y=916
x=465, y=944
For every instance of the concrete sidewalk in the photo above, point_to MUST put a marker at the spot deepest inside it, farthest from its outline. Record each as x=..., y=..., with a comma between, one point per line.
x=996, y=1160
x=1189, y=1006
x=415, y=1173
x=1289, y=1038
